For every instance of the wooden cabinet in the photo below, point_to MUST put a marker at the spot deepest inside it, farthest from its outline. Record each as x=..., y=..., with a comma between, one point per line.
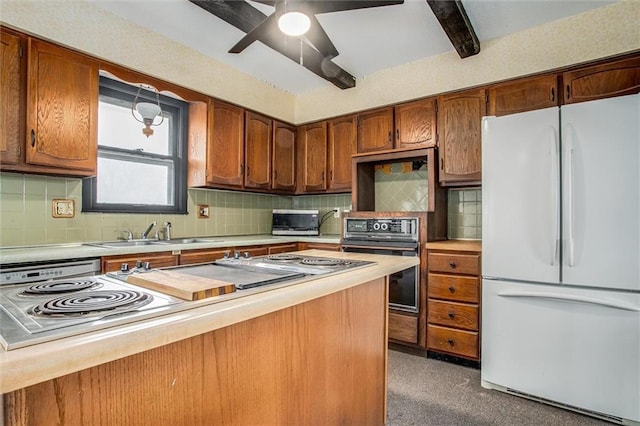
x=342, y=145
x=156, y=260
x=459, y=137
x=282, y=248
x=284, y=157
x=189, y=257
x=319, y=246
x=258, y=144
x=252, y=250
x=11, y=97
x=602, y=81
x=62, y=109
x=453, y=307
x=403, y=328
x=225, y=148
x=415, y=124
x=312, y=157
x=523, y=95
x=375, y=130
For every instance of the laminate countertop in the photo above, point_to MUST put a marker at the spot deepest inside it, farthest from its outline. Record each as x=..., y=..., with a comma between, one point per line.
x=34, y=364
x=456, y=245
x=48, y=252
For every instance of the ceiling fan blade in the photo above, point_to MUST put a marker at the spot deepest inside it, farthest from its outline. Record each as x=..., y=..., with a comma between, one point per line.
x=267, y=2
x=455, y=23
x=319, y=39
x=326, y=6
x=257, y=33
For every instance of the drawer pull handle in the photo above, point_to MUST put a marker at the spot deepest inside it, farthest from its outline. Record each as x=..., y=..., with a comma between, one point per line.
x=451, y=342
x=452, y=289
x=451, y=315
x=452, y=264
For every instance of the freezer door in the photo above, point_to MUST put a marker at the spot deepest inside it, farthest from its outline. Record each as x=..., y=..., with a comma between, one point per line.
x=574, y=346
x=520, y=196
x=601, y=186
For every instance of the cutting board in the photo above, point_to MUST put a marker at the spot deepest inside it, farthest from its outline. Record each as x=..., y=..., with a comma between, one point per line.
x=183, y=286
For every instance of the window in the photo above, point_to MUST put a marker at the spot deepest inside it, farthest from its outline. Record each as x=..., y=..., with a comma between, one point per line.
x=137, y=174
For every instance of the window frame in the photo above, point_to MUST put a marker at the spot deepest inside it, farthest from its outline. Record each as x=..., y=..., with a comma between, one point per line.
x=124, y=94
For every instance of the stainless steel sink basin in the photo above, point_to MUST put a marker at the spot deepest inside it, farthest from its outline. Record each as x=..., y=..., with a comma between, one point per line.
x=135, y=243
x=185, y=241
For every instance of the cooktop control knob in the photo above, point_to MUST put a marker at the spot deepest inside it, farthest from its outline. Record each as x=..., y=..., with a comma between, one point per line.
x=147, y=265
x=236, y=255
x=124, y=267
x=227, y=254
x=138, y=263
x=246, y=255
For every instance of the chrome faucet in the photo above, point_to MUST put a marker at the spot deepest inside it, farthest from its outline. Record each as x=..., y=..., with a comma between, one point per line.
x=167, y=233
x=149, y=228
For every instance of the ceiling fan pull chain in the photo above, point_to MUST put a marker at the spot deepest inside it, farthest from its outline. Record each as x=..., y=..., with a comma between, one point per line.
x=301, y=56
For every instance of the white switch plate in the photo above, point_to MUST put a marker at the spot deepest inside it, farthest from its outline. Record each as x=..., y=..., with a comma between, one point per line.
x=336, y=213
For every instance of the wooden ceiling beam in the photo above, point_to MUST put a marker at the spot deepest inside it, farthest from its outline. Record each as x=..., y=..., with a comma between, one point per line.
x=245, y=17
x=455, y=23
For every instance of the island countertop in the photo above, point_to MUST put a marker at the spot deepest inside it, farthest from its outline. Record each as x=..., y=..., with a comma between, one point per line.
x=34, y=364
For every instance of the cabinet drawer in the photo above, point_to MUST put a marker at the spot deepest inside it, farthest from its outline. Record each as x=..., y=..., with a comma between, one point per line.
x=403, y=328
x=454, y=263
x=201, y=256
x=456, y=342
x=452, y=314
x=452, y=287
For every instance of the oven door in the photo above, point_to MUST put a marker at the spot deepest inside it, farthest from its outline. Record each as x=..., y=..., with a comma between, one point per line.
x=404, y=286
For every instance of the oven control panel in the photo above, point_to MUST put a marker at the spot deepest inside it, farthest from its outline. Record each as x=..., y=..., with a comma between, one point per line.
x=403, y=228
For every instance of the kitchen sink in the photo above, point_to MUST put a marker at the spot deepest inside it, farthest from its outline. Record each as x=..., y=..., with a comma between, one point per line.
x=135, y=243
x=185, y=241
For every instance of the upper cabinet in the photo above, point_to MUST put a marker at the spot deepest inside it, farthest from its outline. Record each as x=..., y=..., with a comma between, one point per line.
x=342, y=146
x=225, y=150
x=459, y=137
x=62, y=108
x=283, y=177
x=375, y=130
x=312, y=157
x=522, y=95
x=258, y=142
x=58, y=98
x=602, y=81
x=415, y=124
x=11, y=98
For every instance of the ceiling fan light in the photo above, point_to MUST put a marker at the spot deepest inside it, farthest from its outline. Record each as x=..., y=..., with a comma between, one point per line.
x=294, y=23
x=148, y=111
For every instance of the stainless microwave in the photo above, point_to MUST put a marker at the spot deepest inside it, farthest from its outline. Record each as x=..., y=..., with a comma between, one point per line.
x=295, y=222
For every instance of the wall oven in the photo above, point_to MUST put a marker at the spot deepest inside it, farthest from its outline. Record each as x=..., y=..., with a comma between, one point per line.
x=394, y=236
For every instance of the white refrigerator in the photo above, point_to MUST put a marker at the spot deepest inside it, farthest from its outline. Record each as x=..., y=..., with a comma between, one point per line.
x=561, y=256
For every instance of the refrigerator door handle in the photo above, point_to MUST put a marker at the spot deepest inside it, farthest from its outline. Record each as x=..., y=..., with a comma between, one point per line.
x=555, y=196
x=568, y=136
x=570, y=298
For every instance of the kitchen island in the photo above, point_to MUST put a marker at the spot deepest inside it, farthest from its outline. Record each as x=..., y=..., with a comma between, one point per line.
x=310, y=353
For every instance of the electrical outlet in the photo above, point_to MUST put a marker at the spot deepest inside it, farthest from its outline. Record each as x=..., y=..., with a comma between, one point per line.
x=336, y=213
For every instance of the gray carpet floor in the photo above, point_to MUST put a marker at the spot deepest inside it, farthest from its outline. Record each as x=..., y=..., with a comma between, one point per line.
x=425, y=392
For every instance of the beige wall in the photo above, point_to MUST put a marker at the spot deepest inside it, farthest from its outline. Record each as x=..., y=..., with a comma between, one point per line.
x=599, y=33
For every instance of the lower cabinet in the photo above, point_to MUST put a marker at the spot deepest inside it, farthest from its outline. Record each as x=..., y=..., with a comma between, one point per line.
x=156, y=260
x=319, y=246
x=282, y=248
x=403, y=328
x=453, y=304
x=189, y=257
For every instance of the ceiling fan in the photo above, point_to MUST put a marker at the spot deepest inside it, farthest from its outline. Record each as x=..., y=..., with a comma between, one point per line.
x=315, y=49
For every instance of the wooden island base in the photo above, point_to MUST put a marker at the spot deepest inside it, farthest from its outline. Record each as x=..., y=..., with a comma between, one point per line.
x=321, y=362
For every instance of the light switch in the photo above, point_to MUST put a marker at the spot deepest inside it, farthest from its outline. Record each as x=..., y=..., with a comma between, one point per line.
x=63, y=208
x=203, y=211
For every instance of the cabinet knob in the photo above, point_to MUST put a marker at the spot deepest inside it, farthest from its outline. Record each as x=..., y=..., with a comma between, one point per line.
x=553, y=94
x=451, y=342
x=453, y=264
x=452, y=289
x=33, y=138
x=451, y=315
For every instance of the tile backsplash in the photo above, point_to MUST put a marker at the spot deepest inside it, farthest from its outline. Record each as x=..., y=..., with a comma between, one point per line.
x=26, y=211
x=398, y=187
x=465, y=214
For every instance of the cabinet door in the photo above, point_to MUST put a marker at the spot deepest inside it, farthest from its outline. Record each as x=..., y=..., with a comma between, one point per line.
x=284, y=157
x=190, y=257
x=156, y=260
x=226, y=146
x=342, y=145
x=416, y=124
x=523, y=95
x=312, y=153
x=375, y=130
x=459, y=136
x=602, y=81
x=258, y=133
x=282, y=248
x=11, y=98
x=62, y=108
